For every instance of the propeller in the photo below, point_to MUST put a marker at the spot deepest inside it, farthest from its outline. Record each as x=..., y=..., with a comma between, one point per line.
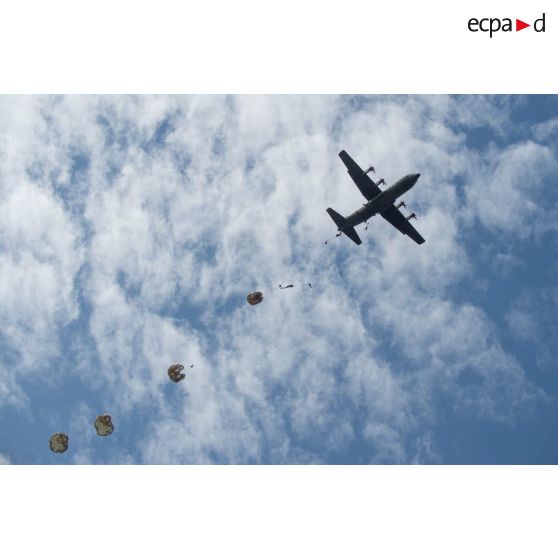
x=400, y=204
x=370, y=168
x=411, y=216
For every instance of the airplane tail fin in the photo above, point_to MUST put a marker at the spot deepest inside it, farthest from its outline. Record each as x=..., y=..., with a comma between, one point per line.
x=341, y=223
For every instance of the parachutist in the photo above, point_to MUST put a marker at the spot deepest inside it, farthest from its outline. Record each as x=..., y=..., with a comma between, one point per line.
x=254, y=298
x=175, y=374
x=103, y=425
x=59, y=442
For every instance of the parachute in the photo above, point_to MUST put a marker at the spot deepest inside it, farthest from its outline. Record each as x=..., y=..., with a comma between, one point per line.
x=254, y=298
x=103, y=425
x=59, y=442
x=174, y=372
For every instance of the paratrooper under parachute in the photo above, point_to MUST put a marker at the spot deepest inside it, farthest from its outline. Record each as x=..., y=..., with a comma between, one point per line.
x=103, y=425
x=59, y=442
x=175, y=372
x=254, y=298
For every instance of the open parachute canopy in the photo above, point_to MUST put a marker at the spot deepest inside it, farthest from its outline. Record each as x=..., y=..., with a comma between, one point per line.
x=175, y=373
x=103, y=425
x=59, y=442
x=254, y=298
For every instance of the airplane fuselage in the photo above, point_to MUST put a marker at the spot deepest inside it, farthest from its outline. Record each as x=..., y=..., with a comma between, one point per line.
x=382, y=201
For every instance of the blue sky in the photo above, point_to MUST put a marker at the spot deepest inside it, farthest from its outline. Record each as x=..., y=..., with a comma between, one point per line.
x=132, y=228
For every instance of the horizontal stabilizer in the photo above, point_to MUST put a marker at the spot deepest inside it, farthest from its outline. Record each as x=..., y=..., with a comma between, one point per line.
x=352, y=234
x=338, y=219
x=341, y=223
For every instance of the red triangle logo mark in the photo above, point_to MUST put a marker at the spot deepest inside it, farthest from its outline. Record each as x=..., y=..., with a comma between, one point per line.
x=519, y=25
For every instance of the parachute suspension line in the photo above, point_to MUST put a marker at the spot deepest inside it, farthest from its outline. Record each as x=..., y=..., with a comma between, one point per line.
x=338, y=234
x=291, y=285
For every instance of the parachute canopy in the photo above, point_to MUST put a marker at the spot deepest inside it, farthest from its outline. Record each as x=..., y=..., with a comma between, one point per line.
x=103, y=425
x=254, y=298
x=59, y=442
x=175, y=373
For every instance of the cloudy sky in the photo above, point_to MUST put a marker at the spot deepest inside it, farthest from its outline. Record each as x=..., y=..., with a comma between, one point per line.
x=133, y=227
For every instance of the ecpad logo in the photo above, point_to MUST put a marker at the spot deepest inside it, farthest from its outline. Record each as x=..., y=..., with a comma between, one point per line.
x=494, y=24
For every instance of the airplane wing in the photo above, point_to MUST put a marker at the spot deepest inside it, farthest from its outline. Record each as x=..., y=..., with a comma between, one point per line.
x=396, y=218
x=364, y=183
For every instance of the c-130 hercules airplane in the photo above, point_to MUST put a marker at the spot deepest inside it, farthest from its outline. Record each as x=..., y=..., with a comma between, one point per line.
x=378, y=202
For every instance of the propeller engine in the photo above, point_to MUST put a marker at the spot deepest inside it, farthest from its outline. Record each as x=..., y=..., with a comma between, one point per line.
x=381, y=181
x=370, y=168
x=411, y=216
x=400, y=204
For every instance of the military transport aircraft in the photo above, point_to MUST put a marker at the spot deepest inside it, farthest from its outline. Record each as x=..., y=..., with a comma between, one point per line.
x=378, y=202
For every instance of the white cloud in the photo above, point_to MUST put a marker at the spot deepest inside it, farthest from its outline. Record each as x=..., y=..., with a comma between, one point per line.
x=531, y=318
x=38, y=264
x=546, y=130
x=508, y=189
